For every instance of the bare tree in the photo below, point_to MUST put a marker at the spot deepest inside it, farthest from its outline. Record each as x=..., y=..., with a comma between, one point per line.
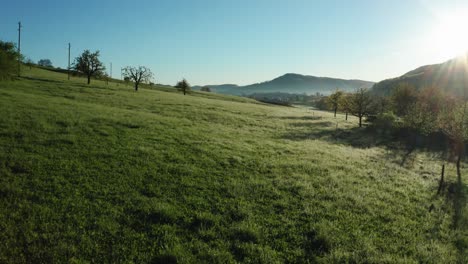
x=29, y=62
x=140, y=74
x=183, y=86
x=360, y=104
x=89, y=64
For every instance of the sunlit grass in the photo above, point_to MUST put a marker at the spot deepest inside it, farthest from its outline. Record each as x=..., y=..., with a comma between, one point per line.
x=101, y=173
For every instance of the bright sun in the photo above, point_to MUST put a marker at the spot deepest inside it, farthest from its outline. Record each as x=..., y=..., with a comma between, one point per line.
x=450, y=37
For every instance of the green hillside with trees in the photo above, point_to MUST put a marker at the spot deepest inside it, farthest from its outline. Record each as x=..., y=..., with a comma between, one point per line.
x=102, y=173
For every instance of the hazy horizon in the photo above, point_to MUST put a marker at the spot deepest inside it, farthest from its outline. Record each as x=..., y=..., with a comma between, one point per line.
x=220, y=42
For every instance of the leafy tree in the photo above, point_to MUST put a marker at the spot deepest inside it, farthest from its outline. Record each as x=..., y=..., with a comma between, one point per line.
x=45, y=63
x=360, y=104
x=423, y=114
x=321, y=103
x=333, y=100
x=382, y=104
x=183, y=86
x=345, y=104
x=205, y=89
x=8, y=60
x=89, y=64
x=138, y=75
x=403, y=97
x=453, y=121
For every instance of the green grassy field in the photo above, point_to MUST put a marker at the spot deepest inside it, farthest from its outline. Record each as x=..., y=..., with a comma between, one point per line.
x=103, y=174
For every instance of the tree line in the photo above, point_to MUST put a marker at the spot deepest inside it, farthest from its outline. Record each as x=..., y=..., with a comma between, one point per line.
x=424, y=112
x=87, y=63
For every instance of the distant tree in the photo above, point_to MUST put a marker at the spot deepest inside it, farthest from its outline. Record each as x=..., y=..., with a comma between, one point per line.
x=8, y=60
x=382, y=104
x=321, y=103
x=205, y=89
x=360, y=104
x=333, y=100
x=89, y=64
x=183, y=86
x=403, y=97
x=345, y=105
x=423, y=114
x=29, y=62
x=45, y=63
x=140, y=74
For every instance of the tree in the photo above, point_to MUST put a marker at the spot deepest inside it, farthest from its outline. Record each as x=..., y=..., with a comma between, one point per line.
x=345, y=104
x=183, y=86
x=422, y=115
x=403, y=97
x=453, y=121
x=8, y=60
x=45, y=63
x=89, y=64
x=360, y=104
x=205, y=89
x=138, y=75
x=333, y=100
x=29, y=62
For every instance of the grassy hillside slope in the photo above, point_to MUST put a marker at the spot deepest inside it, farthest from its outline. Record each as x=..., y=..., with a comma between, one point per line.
x=450, y=76
x=103, y=174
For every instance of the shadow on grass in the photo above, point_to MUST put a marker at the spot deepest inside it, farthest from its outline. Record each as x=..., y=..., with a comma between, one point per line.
x=40, y=79
x=400, y=143
x=311, y=125
x=456, y=196
x=301, y=117
x=365, y=137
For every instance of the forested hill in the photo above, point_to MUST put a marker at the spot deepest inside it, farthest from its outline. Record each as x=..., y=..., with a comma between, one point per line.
x=450, y=76
x=293, y=83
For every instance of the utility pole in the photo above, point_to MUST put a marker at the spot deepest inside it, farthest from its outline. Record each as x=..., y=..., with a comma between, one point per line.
x=111, y=70
x=19, y=49
x=69, y=61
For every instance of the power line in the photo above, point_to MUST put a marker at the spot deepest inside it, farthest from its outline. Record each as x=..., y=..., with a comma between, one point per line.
x=19, y=49
x=69, y=45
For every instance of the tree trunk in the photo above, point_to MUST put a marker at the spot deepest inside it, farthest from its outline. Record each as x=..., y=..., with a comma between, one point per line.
x=89, y=79
x=458, y=168
x=136, y=87
x=336, y=108
x=346, y=115
x=360, y=121
x=184, y=91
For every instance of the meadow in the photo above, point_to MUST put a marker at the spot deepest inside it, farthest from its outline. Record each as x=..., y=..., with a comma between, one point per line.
x=103, y=174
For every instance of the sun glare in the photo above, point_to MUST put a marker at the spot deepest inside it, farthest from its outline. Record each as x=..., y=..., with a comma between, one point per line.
x=449, y=38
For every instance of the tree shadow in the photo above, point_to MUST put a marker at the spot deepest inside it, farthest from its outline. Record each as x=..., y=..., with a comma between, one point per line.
x=301, y=117
x=311, y=125
x=456, y=196
x=40, y=79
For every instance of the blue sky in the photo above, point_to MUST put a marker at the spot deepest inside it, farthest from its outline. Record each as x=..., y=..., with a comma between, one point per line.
x=242, y=41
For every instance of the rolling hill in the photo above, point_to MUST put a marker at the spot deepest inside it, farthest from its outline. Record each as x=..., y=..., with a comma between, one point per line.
x=103, y=174
x=452, y=76
x=292, y=83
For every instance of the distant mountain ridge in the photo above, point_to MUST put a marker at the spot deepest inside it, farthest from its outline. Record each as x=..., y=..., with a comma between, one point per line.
x=292, y=83
x=451, y=76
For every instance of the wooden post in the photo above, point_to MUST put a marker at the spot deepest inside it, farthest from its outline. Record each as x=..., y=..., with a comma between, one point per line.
x=441, y=182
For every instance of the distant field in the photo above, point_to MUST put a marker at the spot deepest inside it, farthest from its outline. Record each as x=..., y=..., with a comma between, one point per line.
x=103, y=174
